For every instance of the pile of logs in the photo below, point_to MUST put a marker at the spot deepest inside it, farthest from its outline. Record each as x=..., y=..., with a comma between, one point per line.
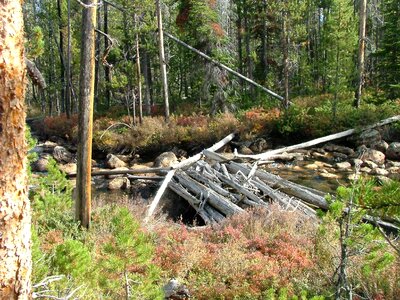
x=217, y=187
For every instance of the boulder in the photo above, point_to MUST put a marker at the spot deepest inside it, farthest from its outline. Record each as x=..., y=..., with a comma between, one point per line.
x=62, y=155
x=68, y=168
x=245, y=150
x=343, y=165
x=259, y=145
x=393, y=170
x=369, y=137
x=339, y=156
x=165, y=160
x=380, y=146
x=119, y=183
x=113, y=162
x=374, y=155
x=329, y=175
x=383, y=179
x=356, y=162
x=379, y=171
x=312, y=166
x=41, y=164
x=393, y=151
x=370, y=164
x=365, y=170
x=340, y=149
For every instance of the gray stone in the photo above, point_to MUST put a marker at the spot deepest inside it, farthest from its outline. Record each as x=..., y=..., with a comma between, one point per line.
x=62, y=155
x=393, y=151
x=41, y=164
x=369, y=137
x=383, y=179
x=165, y=160
x=370, y=164
x=380, y=146
x=119, y=183
x=245, y=150
x=365, y=170
x=340, y=149
x=114, y=162
x=343, y=165
x=373, y=155
x=69, y=168
x=259, y=145
x=379, y=171
x=393, y=170
x=391, y=163
x=329, y=175
x=339, y=155
x=356, y=162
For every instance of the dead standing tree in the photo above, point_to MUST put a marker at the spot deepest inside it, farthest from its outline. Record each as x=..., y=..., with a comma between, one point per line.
x=15, y=218
x=86, y=99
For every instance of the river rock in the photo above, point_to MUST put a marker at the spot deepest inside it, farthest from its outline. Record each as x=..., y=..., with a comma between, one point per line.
x=369, y=137
x=339, y=156
x=259, y=145
x=165, y=160
x=312, y=166
x=69, y=168
x=113, y=162
x=47, y=146
x=393, y=151
x=391, y=163
x=41, y=164
x=328, y=175
x=353, y=177
x=373, y=155
x=380, y=146
x=379, y=171
x=356, y=162
x=343, y=165
x=340, y=149
x=383, y=179
x=365, y=170
x=119, y=183
x=393, y=170
x=370, y=164
x=245, y=150
x=62, y=155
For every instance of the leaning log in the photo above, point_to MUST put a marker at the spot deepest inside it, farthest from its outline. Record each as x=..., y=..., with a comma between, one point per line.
x=271, y=153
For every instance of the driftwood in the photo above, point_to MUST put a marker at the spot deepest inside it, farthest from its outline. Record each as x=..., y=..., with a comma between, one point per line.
x=123, y=172
x=182, y=164
x=270, y=154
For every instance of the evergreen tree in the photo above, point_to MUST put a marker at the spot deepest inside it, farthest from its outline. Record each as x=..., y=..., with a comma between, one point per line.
x=389, y=52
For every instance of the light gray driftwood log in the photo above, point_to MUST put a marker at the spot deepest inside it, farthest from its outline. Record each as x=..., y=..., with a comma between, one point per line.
x=182, y=164
x=270, y=154
x=283, y=185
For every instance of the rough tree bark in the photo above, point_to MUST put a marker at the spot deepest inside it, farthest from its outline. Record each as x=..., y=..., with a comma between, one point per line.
x=15, y=218
x=86, y=99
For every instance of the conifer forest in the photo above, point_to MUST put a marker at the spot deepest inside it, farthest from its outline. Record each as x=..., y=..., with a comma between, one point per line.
x=200, y=149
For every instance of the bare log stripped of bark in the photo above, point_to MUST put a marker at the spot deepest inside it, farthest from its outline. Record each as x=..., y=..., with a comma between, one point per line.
x=290, y=188
x=181, y=165
x=272, y=153
x=122, y=172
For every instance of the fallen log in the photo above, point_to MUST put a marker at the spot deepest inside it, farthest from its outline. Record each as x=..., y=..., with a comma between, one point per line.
x=271, y=153
x=216, y=200
x=290, y=188
x=182, y=164
x=123, y=172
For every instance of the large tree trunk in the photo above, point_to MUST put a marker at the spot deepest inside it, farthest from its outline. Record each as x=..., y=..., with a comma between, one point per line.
x=86, y=99
x=62, y=52
x=15, y=218
x=361, y=52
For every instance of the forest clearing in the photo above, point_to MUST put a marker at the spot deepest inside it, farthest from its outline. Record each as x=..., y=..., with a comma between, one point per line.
x=200, y=149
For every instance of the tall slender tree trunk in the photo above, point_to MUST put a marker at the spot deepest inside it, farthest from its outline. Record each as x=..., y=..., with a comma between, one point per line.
x=86, y=99
x=147, y=81
x=68, y=66
x=361, y=53
x=139, y=73
x=285, y=46
x=97, y=65
x=249, y=61
x=15, y=215
x=107, y=71
x=239, y=39
x=163, y=65
x=61, y=29
x=263, y=53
